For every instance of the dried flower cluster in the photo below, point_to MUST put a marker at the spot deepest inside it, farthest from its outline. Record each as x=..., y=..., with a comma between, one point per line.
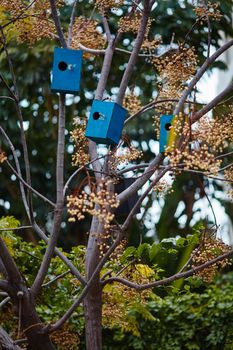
x=81, y=155
x=124, y=155
x=33, y=22
x=216, y=133
x=210, y=249
x=98, y=203
x=132, y=103
x=66, y=338
x=105, y=5
x=85, y=32
x=131, y=23
x=3, y=156
x=163, y=187
x=150, y=46
x=208, y=10
x=228, y=174
x=175, y=68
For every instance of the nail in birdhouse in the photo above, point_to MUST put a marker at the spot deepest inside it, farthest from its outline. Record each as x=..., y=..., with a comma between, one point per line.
x=165, y=129
x=127, y=206
x=66, y=70
x=106, y=122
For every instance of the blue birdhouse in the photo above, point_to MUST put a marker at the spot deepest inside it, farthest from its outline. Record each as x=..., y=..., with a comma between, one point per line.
x=66, y=70
x=106, y=122
x=127, y=206
x=165, y=126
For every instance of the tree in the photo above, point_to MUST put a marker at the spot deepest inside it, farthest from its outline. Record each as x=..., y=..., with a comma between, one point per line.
x=198, y=145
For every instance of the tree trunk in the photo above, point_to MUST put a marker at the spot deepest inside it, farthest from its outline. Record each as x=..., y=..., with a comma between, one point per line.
x=93, y=300
x=30, y=323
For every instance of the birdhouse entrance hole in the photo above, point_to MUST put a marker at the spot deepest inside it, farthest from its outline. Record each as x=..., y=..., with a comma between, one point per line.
x=167, y=126
x=62, y=65
x=96, y=115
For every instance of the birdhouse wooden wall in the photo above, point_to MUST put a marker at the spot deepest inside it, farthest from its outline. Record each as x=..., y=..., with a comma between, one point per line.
x=165, y=129
x=66, y=72
x=127, y=206
x=106, y=122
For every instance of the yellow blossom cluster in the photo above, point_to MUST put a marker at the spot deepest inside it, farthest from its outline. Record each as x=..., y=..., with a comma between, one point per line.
x=175, y=67
x=208, y=10
x=118, y=299
x=85, y=32
x=98, y=203
x=81, y=155
x=104, y=5
x=33, y=22
x=210, y=249
x=132, y=103
x=3, y=156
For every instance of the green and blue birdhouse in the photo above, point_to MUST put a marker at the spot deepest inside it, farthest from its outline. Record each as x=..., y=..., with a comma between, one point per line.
x=66, y=72
x=106, y=122
x=165, y=130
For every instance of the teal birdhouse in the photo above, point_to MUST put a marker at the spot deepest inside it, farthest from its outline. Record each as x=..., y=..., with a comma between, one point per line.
x=106, y=122
x=165, y=129
x=66, y=72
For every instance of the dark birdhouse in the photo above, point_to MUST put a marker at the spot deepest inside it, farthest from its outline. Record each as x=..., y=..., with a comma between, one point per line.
x=106, y=122
x=127, y=206
x=165, y=126
x=66, y=70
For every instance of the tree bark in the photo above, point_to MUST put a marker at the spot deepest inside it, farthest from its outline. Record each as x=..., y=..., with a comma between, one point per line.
x=93, y=300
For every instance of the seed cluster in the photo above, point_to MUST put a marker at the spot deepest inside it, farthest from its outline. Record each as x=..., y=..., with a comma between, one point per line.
x=131, y=23
x=66, y=338
x=80, y=155
x=217, y=133
x=228, y=174
x=175, y=67
x=99, y=204
x=33, y=23
x=211, y=248
x=124, y=155
x=208, y=10
x=162, y=188
x=132, y=103
x=85, y=32
x=105, y=5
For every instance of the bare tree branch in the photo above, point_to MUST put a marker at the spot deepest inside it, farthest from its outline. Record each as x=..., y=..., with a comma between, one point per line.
x=59, y=200
x=170, y=279
x=72, y=19
x=58, y=23
x=133, y=57
x=28, y=186
x=6, y=342
x=200, y=73
x=63, y=258
x=212, y=104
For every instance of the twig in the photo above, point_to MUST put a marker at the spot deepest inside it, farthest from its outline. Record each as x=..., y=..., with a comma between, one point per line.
x=28, y=186
x=4, y=302
x=56, y=278
x=170, y=279
x=72, y=19
x=200, y=73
